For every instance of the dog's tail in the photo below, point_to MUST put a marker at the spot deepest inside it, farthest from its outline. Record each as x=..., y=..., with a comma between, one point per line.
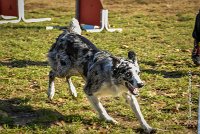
x=74, y=27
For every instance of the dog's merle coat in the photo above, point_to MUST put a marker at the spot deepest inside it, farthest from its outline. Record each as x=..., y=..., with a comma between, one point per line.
x=105, y=74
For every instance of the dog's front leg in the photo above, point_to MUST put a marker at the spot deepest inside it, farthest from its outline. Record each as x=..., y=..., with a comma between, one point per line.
x=100, y=109
x=136, y=108
x=71, y=86
x=51, y=88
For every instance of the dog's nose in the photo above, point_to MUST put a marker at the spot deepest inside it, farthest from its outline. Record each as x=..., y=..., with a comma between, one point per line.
x=140, y=84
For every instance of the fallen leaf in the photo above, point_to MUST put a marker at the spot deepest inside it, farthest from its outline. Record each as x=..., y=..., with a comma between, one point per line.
x=60, y=100
x=159, y=105
x=170, y=94
x=177, y=107
x=124, y=46
x=151, y=93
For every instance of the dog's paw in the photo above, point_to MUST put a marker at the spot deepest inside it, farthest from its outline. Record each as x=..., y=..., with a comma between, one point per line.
x=110, y=120
x=50, y=97
x=150, y=131
x=113, y=121
x=74, y=94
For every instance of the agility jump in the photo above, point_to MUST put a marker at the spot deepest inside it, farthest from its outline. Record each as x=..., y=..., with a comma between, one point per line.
x=91, y=12
x=11, y=9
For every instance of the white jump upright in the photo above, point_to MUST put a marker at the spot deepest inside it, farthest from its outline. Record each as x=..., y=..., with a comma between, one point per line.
x=104, y=23
x=107, y=24
x=21, y=16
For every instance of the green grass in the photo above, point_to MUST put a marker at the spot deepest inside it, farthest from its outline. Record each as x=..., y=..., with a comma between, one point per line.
x=158, y=31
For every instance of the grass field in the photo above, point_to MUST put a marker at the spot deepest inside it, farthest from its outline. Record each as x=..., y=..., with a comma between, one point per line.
x=159, y=31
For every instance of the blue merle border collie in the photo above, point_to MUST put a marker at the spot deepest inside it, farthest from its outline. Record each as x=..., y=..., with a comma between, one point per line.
x=105, y=74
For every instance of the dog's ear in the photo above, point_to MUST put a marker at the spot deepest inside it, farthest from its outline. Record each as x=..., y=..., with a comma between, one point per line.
x=132, y=56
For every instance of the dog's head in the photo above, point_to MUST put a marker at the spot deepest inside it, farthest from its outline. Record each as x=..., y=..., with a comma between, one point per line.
x=127, y=73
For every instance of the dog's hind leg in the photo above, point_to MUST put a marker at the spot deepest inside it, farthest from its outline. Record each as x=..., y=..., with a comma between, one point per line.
x=136, y=108
x=51, y=88
x=100, y=109
x=71, y=86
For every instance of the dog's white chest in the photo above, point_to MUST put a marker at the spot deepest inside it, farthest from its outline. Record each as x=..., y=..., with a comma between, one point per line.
x=108, y=89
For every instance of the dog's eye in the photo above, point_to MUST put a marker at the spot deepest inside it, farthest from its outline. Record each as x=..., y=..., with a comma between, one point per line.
x=128, y=75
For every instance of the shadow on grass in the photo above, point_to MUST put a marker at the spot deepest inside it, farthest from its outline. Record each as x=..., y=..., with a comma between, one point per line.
x=22, y=63
x=165, y=74
x=168, y=74
x=24, y=27
x=15, y=112
x=34, y=27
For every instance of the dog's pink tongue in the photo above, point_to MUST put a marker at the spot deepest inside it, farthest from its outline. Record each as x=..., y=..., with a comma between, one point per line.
x=134, y=91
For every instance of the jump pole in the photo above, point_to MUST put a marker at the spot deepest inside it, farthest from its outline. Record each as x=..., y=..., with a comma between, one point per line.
x=190, y=102
x=199, y=115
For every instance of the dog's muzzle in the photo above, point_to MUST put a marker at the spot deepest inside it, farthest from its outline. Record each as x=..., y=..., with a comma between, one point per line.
x=133, y=90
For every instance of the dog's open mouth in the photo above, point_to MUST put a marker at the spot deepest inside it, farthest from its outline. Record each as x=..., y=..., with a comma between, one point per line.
x=133, y=90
